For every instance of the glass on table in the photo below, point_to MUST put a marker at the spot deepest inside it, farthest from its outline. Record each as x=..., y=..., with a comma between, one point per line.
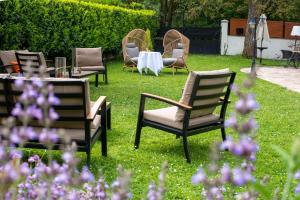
x=60, y=67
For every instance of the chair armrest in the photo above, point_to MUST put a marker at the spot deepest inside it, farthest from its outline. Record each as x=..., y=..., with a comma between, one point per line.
x=222, y=99
x=96, y=107
x=166, y=100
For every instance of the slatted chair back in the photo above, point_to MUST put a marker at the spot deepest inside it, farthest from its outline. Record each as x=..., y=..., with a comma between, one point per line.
x=36, y=60
x=205, y=91
x=74, y=99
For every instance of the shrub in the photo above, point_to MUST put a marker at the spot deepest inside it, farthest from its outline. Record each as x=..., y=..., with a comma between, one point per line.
x=56, y=26
x=148, y=39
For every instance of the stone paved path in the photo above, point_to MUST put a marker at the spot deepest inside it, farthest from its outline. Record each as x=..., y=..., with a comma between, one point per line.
x=285, y=77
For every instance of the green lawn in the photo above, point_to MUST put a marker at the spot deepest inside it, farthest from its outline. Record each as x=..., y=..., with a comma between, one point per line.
x=278, y=119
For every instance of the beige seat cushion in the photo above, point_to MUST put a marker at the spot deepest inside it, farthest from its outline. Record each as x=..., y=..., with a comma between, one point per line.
x=187, y=92
x=167, y=116
x=93, y=68
x=88, y=57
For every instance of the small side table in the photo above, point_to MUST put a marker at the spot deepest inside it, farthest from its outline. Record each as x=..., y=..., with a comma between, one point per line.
x=261, y=50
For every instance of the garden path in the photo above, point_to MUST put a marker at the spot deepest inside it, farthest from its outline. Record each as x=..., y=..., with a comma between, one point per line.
x=286, y=77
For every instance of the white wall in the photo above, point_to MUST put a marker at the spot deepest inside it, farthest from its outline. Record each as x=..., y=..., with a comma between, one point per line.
x=234, y=45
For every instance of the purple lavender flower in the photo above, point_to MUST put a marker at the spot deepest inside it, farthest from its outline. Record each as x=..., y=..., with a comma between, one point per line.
x=53, y=115
x=53, y=100
x=19, y=82
x=297, y=175
x=225, y=173
x=62, y=178
x=199, y=177
x=34, y=159
x=297, y=189
x=231, y=122
x=17, y=110
x=238, y=177
x=86, y=175
x=24, y=169
x=48, y=136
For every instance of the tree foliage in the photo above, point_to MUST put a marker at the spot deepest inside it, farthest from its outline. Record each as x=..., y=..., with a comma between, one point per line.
x=177, y=13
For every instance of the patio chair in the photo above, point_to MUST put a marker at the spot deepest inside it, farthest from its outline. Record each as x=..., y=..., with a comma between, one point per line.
x=295, y=56
x=9, y=61
x=176, y=50
x=83, y=121
x=195, y=112
x=90, y=59
x=132, y=44
x=36, y=60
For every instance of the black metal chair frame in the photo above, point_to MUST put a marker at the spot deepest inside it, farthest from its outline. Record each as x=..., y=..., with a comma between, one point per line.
x=82, y=145
x=185, y=131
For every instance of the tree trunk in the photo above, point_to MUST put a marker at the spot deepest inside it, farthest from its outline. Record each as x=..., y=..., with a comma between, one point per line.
x=253, y=11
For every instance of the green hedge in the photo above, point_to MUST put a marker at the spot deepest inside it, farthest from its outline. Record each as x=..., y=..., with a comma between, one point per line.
x=56, y=26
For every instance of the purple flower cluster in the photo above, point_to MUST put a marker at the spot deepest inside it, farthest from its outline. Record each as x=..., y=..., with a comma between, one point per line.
x=297, y=177
x=157, y=193
x=245, y=148
x=35, y=179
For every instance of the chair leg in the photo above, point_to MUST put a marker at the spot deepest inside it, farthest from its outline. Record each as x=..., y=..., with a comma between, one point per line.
x=223, y=133
x=96, y=81
x=138, y=134
x=186, y=150
x=104, y=143
x=173, y=71
x=88, y=158
x=108, y=119
x=106, y=80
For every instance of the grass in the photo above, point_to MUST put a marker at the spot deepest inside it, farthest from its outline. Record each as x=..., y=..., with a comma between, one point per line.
x=278, y=119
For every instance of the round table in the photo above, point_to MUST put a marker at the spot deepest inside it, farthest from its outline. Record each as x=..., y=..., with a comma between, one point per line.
x=150, y=60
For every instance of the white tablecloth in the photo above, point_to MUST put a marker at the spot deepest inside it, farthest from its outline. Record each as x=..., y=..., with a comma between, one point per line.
x=150, y=60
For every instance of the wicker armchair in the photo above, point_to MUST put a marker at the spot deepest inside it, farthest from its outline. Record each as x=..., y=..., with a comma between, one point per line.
x=132, y=44
x=176, y=50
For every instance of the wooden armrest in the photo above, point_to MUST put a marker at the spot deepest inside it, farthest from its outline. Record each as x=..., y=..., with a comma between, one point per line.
x=222, y=99
x=166, y=100
x=96, y=107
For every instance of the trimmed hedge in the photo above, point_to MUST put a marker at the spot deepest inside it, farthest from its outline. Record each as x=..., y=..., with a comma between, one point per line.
x=56, y=26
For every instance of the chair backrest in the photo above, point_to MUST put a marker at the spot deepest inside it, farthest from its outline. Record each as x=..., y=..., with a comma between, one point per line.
x=74, y=100
x=203, y=91
x=172, y=40
x=84, y=57
x=36, y=60
x=132, y=50
x=9, y=56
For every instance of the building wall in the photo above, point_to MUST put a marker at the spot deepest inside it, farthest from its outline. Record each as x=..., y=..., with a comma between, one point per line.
x=234, y=45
